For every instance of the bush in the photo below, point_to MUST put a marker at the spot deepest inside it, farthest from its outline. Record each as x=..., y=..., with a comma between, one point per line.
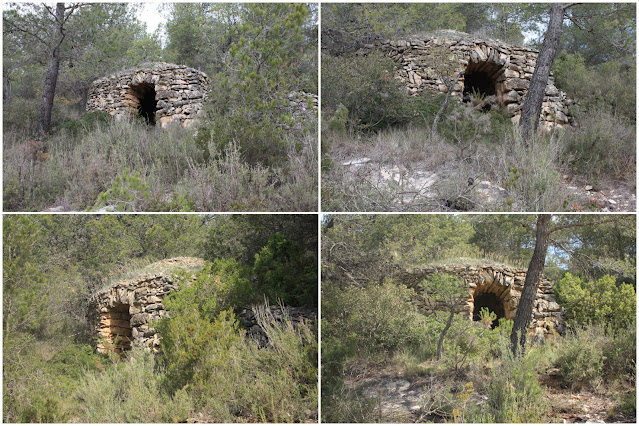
x=129, y=392
x=371, y=319
x=86, y=123
x=514, y=394
x=283, y=272
x=621, y=354
x=603, y=147
x=20, y=119
x=221, y=284
x=531, y=173
x=167, y=172
x=367, y=87
x=581, y=357
x=600, y=302
x=607, y=88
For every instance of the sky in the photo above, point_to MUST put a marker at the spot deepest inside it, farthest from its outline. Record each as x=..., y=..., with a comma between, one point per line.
x=150, y=15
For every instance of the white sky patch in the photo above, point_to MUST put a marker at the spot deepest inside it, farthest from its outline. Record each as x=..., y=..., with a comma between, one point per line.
x=149, y=13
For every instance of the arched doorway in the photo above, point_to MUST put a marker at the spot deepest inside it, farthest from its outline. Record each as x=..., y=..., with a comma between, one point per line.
x=116, y=328
x=494, y=299
x=143, y=95
x=482, y=82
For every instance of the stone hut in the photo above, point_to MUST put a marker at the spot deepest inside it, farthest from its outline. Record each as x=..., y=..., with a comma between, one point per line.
x=486, y=67
x=120, y=315
x=497, y=288
x=160, y=93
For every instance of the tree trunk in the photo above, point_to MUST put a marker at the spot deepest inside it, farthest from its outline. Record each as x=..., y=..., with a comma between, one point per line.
x=531, y=108
x=440, y=344
x=439, y=114
x=6, y=88
x=82, y=103
x=44, y=123
x=531, y=284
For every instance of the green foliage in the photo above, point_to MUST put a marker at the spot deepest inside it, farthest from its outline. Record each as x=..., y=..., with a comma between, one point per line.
x=220, y=284
x=371, y=319
x=228, y=377
x=603, y=147
x=195, y=349
x=72, y=172
x=129, y=392
x=515, y=395
x=486, y=316
x=85, y=124
x=337, y=123
x=249, y=107
x=284, y=272
x=24, y=294
x=581, y=357
x=600, y=302
x=127, y=191
x=605, y=89
x=426, y=238
x=366, y=86
x=444, y=289
x=621, y=355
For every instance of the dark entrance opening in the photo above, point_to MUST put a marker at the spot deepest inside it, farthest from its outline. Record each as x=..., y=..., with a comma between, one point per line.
x=480, y=84
x=146, y=105
x=490, y=301
x=118, y=322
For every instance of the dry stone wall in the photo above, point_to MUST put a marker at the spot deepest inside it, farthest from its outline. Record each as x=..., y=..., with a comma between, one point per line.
x=487, y=66
x=277, y=314
x=495, y=287
x=121, y=314
x=160, y=93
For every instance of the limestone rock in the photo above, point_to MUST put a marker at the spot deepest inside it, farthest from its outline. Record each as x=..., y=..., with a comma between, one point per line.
x=121, y=313
x=505, y=69
x=153, y=92
x=497, y=287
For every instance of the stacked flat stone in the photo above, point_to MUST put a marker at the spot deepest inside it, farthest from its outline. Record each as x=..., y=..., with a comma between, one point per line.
x=506, y=283
x=255, y=331
x=121, y=314
x=510, y=66
x=179, y=91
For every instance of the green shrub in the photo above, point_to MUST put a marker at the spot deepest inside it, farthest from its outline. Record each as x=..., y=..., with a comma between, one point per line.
x=514, y=394
x=283, y=272
x=367, y=87
x=20, y=118
x=221, y=284
x=87, y=122
x=284, y=385
x=373, y=319
x=533, y=177
x=581, y=357
x=621, y=354
x=603, y=147
x=129, y=392
x=600, y=302
x=337, y=123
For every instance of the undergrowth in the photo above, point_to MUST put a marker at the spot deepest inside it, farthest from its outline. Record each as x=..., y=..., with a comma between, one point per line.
x=126, y=166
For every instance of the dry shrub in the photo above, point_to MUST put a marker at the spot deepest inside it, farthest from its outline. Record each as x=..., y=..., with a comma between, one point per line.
x=73, y=171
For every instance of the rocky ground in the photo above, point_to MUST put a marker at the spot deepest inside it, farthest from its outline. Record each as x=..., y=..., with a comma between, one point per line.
x=403, y=398
x=412, y=186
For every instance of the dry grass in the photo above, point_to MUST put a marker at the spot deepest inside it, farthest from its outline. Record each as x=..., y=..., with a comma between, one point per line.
x=125, y=165
x=528, y=176
x=141, y=267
